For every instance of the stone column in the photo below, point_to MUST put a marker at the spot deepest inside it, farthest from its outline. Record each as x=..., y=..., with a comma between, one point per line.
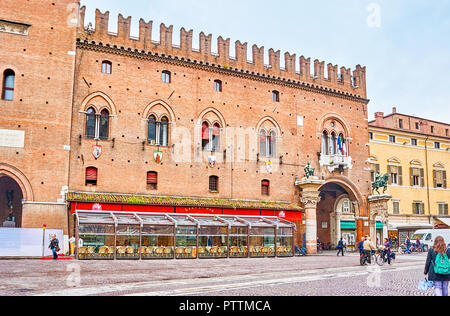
x=310, y=197
x=378, y=205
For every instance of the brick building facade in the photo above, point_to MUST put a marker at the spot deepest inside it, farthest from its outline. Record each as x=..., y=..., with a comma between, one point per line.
x=234, y=135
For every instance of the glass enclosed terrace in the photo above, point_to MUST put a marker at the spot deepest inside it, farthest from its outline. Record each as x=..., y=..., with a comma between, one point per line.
x=120, y=235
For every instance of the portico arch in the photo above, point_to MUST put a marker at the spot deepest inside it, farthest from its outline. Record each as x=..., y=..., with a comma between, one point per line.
x=339, y=211
x=14, y=187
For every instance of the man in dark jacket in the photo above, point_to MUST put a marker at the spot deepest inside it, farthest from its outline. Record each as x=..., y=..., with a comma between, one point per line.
x=340, y=247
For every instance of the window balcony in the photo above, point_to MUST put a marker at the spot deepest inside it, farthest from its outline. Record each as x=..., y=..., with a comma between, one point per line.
x=334, y=162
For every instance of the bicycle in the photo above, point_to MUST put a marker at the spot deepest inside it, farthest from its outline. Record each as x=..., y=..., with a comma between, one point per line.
x=382, y=258
x=363, y=260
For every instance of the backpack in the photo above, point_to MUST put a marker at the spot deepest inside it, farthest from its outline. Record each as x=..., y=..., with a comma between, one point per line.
x=442, y=264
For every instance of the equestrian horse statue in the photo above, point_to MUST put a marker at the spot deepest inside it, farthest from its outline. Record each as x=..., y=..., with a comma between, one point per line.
x=380, y=182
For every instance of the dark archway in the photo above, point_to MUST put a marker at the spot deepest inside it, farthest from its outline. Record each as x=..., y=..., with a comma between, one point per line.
x=10, y=202
x=336, y=215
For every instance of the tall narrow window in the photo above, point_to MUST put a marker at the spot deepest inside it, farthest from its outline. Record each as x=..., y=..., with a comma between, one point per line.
x=90, y=123
x=265, y=187
x=272, y=144
x=205, y=136
x=432, y=129
x=152, y=180
x=217, y=85
x=104, y=124
x=106, y=67
x=324, y=146
x=91, y=176
x=166, y=76
x=400, y=123
x=275, y=96
x=8, y=85
x=262, y=143
x=332, y=144
x=213, y=184
x=216, y=137
x=164, y=131
x=152, y=130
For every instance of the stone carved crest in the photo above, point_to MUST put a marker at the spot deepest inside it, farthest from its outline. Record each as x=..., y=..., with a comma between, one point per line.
x=13, y=27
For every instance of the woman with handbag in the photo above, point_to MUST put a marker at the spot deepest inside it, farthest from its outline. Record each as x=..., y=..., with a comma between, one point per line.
x=54, y=246
x=437, y=266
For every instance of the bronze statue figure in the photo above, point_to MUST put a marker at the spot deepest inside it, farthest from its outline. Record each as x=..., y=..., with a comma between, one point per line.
x=380, y=182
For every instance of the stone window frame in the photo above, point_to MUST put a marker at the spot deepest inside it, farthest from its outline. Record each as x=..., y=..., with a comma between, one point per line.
x=159, y=123
x=99, y=117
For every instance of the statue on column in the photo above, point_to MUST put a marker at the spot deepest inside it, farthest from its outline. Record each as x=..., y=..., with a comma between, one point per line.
x=309, y=172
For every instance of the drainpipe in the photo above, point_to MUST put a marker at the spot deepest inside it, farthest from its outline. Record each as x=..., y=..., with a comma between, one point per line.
x=428, y=183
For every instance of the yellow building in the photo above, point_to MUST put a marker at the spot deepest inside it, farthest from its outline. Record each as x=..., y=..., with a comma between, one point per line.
x=415, y=152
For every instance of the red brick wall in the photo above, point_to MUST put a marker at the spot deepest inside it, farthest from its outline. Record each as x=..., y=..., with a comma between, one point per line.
x=135, y=83
x=43, y=91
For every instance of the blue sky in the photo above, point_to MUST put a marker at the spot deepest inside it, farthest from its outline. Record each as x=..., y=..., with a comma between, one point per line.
x=405, y=44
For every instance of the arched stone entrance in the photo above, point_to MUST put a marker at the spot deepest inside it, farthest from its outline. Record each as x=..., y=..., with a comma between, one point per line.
x=337, y=212
x=323, y=210
x=10, y=202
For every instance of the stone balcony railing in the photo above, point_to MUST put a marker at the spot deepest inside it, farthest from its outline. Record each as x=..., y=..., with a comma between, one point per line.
x=336, y=161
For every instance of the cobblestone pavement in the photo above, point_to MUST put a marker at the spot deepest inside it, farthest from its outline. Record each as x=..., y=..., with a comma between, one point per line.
x=313, y=275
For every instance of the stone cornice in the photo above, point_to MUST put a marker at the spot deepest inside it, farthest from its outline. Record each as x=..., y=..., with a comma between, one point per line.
x=175, y=60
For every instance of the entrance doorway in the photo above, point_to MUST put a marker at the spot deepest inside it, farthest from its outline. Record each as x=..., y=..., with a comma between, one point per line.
x=336, y=216
x=10, y=202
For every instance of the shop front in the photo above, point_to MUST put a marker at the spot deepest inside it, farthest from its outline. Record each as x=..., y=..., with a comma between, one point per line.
x=109, y=235
x=402, y=230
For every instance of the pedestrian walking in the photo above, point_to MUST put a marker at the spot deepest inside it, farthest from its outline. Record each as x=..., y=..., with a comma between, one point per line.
x=54, y=246
x=340, y=247
x=437, y=266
